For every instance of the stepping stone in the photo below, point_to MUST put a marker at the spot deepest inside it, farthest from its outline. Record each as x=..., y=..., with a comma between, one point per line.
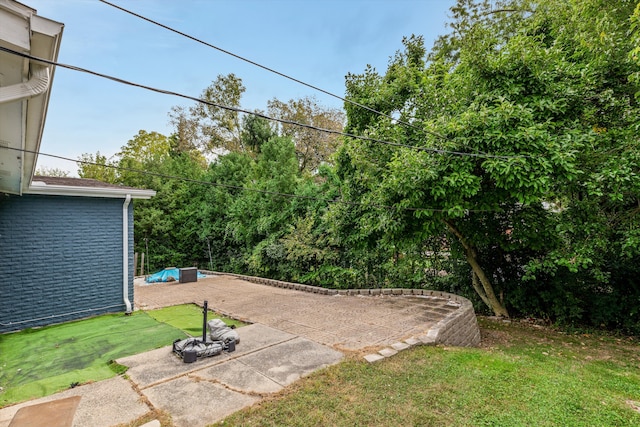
x=400, y=346
x=371, y=358
x=412, y=341
x=388, y=352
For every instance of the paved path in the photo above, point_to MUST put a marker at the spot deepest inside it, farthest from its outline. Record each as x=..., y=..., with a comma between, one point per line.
x=292, y=334
x=194, y=394
x=344, y=322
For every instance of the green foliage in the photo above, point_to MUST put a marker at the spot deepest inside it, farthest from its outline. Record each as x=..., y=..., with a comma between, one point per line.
x=544, y=83
x=97, y=167
x=169, y=224
x=45, y=171
x=313, y=147
x=518, y=186
x=146, y=151
x=256, y=130
x=208, y=126
x=522, y=376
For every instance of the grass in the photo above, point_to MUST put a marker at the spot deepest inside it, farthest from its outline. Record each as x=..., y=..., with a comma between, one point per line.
x=521, y=376
x=188, y=317
x=39, y=362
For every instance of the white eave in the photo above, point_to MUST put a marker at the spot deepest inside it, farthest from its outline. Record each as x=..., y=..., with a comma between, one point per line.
x=22, y=118
x=42, y=188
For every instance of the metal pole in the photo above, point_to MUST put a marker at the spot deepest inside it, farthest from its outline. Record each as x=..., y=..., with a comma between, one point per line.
x=146, y=244
x=204, y=322
x=210, y=260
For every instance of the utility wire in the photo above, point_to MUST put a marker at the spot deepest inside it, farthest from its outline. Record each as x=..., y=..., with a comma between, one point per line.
x=271, y=70
x=237, y=187
x=255, y=113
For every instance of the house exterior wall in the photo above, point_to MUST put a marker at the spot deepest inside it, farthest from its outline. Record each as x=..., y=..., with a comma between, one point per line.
x=60, y=259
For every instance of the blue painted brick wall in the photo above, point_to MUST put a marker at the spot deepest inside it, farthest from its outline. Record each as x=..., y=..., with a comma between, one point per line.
x=60, y=259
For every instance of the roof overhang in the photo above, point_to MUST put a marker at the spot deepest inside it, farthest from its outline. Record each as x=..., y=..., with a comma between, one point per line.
x=22, y=117
x=42, y=188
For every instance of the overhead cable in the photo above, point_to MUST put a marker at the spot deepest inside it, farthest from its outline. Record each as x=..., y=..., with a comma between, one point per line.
x=258, y=114
x=271, y=70
x=238, y=187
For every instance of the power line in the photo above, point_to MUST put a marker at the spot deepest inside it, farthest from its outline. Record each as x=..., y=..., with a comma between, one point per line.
x=271, y=70
x=237, y=187
x=255, y=113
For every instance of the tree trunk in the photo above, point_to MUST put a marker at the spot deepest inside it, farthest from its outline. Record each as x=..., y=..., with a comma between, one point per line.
x=479, y=280
x=478, y=288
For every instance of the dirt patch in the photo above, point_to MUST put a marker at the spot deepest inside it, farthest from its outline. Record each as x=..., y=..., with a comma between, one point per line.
x=491, y=338
x=634, y=405
x=359, y=354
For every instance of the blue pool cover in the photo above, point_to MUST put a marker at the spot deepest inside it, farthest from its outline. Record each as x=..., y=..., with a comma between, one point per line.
x=164, y=276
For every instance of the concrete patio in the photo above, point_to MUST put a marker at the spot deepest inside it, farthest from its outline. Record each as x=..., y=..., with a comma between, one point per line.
x=294, y=330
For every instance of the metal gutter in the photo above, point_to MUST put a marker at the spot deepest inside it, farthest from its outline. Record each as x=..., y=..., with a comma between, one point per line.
x=36, y=85
x=39, y=187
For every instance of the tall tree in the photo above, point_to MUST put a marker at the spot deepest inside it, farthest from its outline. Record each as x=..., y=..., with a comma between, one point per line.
x=208, y=126
x=170, y=224
x=503, y=118
x=146, y=151
x=97, y=167
x=256, y=131
x=47, y=171
x=313, y=147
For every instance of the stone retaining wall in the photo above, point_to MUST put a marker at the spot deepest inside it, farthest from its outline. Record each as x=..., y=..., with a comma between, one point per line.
x=459, y=328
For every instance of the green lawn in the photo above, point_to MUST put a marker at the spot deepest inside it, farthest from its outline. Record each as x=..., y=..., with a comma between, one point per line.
x=521, y=376
x=188, y=317
x=39, y=362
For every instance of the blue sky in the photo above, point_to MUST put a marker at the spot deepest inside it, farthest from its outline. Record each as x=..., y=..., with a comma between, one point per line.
x=316, y=41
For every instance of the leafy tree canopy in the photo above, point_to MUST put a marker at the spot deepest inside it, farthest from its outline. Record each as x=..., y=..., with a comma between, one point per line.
x=46, y=171
x=97, y=167
x=208, y=126
x=531, y=107
x=313, y=147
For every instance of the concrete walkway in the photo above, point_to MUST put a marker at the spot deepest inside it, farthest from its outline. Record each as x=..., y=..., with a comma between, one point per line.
x=292, y=334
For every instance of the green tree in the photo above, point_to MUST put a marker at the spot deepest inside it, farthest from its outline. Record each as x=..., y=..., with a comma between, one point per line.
x=170, y=224
x=146, y=151
x=598, y=227
x=264, y=212
x=514, y=111
x=256, y=131
x=312, y=147
x=97, y=167
x=227, y=175
x=46, y=171
x=210, y=127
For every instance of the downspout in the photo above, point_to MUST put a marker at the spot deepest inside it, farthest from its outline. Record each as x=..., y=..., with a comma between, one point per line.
x=36, y=85
x=125, y=253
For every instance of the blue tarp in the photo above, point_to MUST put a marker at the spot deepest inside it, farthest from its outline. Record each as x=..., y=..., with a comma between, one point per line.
x=164, y=276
